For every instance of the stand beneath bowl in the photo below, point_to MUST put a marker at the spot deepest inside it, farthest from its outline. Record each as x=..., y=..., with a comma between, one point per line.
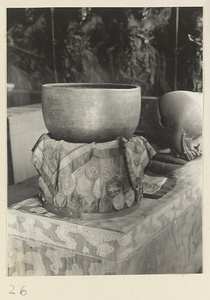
x=91, y=181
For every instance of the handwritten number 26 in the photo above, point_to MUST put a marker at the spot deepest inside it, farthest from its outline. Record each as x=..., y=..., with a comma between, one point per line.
x=22, y=291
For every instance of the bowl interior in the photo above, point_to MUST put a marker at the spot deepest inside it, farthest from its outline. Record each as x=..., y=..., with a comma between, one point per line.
x=91, y=86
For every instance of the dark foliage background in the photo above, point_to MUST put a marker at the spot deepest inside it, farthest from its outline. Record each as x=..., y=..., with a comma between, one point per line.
x=118, y=45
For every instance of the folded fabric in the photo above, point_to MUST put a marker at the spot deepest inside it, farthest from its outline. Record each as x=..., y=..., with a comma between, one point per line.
x=169, y=158
x=162, y=168
x=155, y=187
x=138, y=153
x=78, y=178
x=165, y=163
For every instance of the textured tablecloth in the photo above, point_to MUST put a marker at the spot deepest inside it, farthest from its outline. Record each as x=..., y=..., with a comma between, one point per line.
x=162, y=236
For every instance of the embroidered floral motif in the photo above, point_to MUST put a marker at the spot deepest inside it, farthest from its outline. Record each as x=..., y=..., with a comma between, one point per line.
x=130, y=197
x=45, y=190
x=45, y=224
x=59, y=200
x=74, y=271
x=62, y=234
x=28, y=224
x=14, y=243
x=55, y=257
x=105, y=175
x=126, y=252
x=67, y=182
x=86, y=250
x=113, y=187
x=78, y=173
x=38, y=210
x=97, y=188
x=102, y=267
x=104, y=204
x=74, y=202
x=104, y=250
x=84, y=186
x=94, y=238
x=27, y=202
x=125, y=240
x=33, y=244
x=119, y=201
x=11, y=219
x=92, y=169
x=17, y=259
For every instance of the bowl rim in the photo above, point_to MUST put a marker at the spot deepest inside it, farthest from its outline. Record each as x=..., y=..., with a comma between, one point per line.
x=94, y=86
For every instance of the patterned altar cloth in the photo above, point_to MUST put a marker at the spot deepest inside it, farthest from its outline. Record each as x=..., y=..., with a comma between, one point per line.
x=89, y=180
x=162, y=236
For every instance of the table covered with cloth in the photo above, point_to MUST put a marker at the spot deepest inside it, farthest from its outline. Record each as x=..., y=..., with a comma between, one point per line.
x=162, y=236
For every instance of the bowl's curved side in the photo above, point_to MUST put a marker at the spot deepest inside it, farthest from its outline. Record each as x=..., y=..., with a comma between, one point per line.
x=90, y=114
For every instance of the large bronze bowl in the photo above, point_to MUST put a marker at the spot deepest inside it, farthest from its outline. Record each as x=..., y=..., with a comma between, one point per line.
x=84, y=113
